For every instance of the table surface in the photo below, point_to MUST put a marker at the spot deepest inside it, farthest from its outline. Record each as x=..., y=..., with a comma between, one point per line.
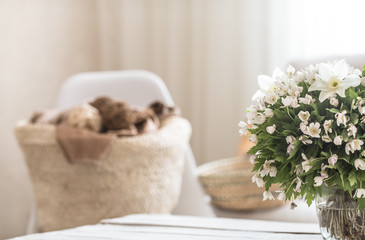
x=167, y=227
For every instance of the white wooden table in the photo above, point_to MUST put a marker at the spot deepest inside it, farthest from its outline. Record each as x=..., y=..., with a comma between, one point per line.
x=167, y=227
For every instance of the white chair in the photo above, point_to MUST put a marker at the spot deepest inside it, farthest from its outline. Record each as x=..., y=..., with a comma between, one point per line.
x=138, y=88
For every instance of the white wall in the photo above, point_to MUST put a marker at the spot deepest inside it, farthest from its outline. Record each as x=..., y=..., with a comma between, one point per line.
x=41, y=44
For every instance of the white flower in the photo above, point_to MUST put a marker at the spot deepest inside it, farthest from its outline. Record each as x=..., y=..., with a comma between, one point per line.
x=334, y=101
x=271, y=98
x=281, y=89
x=304, y=116
x=327, y=126
x=314, y=130
x=334, y=79
x=306, y=164
x=333, y=159
x=267, y=84
x=341, y=118
x=271, y=129
x=359, y=102
x=253, y=138
x=295, y=91
x=268, y=195
x=360, y=192
x=268, y=113
x=251, y=113
x=273, y=171
x=259, y=181
x=298, y=169
x=324, y=174
x=290, y=101
x=318, y=181
x=353, y=145
x=351, y=130
x=259, y=119
x=305, y=140
x=306, y=100
x=282, y=196
x=359, y=164
x=363, y=153
x=290, y=139
x=326, y=138
x=362, y=110
x=290, y=148
x=338, y=140
x=304, y=127
x=357, y=72
x=268, y=169
x=298, y=186
x=244, y=127
x=290, y=69
x=252, y=159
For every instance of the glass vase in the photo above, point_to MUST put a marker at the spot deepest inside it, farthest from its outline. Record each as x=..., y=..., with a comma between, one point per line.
x=339, y=216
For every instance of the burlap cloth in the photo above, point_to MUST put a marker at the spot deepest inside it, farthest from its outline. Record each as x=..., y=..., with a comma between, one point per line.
x=139, y=174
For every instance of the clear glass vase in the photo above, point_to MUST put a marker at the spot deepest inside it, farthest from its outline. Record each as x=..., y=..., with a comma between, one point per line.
x=339, y=216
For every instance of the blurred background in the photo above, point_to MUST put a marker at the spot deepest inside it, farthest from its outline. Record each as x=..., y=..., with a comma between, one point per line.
x=208, y=52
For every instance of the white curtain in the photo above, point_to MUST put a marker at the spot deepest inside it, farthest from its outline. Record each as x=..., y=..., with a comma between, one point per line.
x=312, y=29
x=208, y=52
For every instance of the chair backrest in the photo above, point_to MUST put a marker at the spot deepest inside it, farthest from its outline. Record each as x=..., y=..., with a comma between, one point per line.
x=138, y=88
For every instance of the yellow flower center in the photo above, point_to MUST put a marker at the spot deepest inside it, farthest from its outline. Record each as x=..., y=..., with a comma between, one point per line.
x=334, y=83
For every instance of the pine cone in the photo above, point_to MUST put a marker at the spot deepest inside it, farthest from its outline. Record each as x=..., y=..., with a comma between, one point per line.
x=102, y=103
x=118, y=115
x=84, y=116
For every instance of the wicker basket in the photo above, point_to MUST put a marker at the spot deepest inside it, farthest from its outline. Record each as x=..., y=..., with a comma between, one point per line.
x=139, y=174
x=228, y=182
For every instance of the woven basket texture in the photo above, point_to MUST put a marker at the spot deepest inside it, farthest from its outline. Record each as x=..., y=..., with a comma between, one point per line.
x=140, y=174
x=228, y=182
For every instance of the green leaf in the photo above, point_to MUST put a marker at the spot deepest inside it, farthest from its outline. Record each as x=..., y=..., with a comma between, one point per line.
x=352, y=178
x=351, y=93
x=354, y=118
x=333, y=110
x=361, y=203
x=309, y=198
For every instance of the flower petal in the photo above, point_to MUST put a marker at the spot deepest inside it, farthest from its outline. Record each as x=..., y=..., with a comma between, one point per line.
x=258, y=95
x=265, y=82
x=317, y=85
x=277, y=73
x=341, y=91
x=340, y=69
x=324, y=95
x=352, y=80
x=325, y=71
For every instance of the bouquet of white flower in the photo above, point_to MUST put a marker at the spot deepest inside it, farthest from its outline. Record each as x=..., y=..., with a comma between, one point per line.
x=309, y=129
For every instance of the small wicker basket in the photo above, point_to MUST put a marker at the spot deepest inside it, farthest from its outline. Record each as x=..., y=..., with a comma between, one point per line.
x=228, y=182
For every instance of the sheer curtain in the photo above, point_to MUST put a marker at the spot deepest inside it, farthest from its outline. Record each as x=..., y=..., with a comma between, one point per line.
x=310, y=29
x=207, y=51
